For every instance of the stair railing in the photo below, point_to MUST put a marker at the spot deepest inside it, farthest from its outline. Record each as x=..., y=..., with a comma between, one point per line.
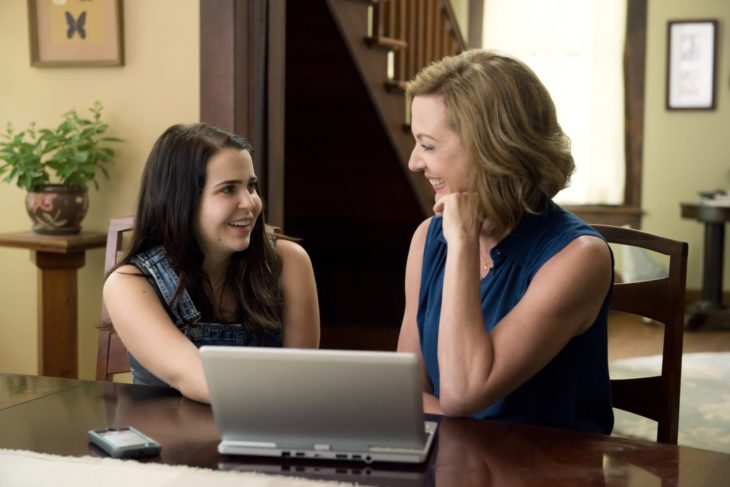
x=418, y=32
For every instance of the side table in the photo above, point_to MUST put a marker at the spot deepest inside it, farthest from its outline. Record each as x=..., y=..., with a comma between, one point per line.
x=710, y=308
x=57, y=259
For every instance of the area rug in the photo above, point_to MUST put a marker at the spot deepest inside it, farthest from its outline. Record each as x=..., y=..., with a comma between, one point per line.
x=25, y=469
x=704, y=404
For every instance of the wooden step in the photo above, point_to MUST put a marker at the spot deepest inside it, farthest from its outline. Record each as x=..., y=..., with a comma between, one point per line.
x=396, y=86
x=372, y=65
x=388, y=43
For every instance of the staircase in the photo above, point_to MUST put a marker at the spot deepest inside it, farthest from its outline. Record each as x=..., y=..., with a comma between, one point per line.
x=390, y=41
x=349, y=195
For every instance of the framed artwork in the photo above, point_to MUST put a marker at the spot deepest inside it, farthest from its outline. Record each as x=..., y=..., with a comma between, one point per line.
x=76, y=32
x=691, y=64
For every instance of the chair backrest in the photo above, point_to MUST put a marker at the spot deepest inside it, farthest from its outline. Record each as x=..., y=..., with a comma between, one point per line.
x=661, y=300
x=111, y=357
x=112, y=354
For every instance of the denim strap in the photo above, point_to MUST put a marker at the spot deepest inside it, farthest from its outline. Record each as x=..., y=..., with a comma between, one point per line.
x=155, y=262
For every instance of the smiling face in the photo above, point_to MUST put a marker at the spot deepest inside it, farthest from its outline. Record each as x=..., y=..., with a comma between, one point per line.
x=229, y=205
x=439, y=153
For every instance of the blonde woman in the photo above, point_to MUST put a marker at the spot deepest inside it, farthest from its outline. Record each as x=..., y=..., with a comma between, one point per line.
x=506, y=293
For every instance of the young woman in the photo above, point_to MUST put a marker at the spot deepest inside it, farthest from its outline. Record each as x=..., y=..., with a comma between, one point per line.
x=506, y=293
x=201, y=269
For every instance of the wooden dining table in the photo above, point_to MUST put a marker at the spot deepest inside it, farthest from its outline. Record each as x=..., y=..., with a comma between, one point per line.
x=49, y=415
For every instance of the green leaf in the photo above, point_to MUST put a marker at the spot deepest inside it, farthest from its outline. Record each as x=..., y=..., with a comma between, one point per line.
x=72, y=153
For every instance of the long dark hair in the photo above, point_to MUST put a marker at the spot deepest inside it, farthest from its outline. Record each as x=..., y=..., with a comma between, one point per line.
x=169, y=195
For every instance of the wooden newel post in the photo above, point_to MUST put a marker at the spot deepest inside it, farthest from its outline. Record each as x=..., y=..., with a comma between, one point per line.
x=58, y=259
x=57, y=308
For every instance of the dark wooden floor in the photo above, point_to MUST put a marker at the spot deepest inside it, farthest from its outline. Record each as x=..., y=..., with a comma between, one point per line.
x=628, y=336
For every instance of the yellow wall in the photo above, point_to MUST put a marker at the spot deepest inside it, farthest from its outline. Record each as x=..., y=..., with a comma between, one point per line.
x=158, y=86
x=684, y=152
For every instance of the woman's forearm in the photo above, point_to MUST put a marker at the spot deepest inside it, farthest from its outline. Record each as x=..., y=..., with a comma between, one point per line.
x=464, y=347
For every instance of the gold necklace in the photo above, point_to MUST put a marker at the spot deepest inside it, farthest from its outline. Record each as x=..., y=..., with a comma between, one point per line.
x=485, y=262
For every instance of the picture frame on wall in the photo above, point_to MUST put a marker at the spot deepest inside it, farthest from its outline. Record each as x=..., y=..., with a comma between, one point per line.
x=76, y=32
x=691, y=64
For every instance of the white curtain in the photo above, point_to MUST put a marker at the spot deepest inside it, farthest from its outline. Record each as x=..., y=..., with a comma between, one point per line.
x=576, y=48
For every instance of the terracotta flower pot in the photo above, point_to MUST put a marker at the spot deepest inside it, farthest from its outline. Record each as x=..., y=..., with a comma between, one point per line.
x=57, y=209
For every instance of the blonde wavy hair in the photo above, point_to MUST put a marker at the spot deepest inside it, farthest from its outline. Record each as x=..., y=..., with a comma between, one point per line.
x=507, y=123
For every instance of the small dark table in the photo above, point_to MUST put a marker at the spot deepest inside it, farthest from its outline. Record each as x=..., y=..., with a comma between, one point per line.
x=710, y=309
x=58, y=257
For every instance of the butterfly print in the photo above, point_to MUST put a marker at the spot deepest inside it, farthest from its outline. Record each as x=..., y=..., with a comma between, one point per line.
x=76, y=25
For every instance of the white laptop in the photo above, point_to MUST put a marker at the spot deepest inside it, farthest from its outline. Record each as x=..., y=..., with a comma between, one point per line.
x=324, y=404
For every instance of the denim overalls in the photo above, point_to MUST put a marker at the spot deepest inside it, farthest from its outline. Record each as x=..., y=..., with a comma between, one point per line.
x=153, y=263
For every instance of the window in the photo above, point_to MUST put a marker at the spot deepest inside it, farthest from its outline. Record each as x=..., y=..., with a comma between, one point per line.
x=576, y=48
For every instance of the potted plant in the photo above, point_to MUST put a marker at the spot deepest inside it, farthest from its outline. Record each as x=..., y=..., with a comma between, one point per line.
x=56, y=166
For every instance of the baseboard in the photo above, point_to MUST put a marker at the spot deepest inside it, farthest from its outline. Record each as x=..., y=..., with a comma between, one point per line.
x=694, y=295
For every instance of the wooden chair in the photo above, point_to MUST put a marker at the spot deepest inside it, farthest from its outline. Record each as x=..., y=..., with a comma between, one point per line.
x=112, y=355
x=661, y=300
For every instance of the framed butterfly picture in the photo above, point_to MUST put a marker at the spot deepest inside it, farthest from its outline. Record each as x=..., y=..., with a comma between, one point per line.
x=76, y=32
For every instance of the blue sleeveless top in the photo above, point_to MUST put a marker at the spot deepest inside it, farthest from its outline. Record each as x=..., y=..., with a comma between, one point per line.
x=154, y=265
x=572, y=391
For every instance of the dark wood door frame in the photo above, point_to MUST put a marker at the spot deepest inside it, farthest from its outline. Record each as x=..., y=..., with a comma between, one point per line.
x=228, y=61
x=634, y=81
x=242, y=83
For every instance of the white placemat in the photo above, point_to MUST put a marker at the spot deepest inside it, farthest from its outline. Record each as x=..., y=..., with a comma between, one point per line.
x=19, y=468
